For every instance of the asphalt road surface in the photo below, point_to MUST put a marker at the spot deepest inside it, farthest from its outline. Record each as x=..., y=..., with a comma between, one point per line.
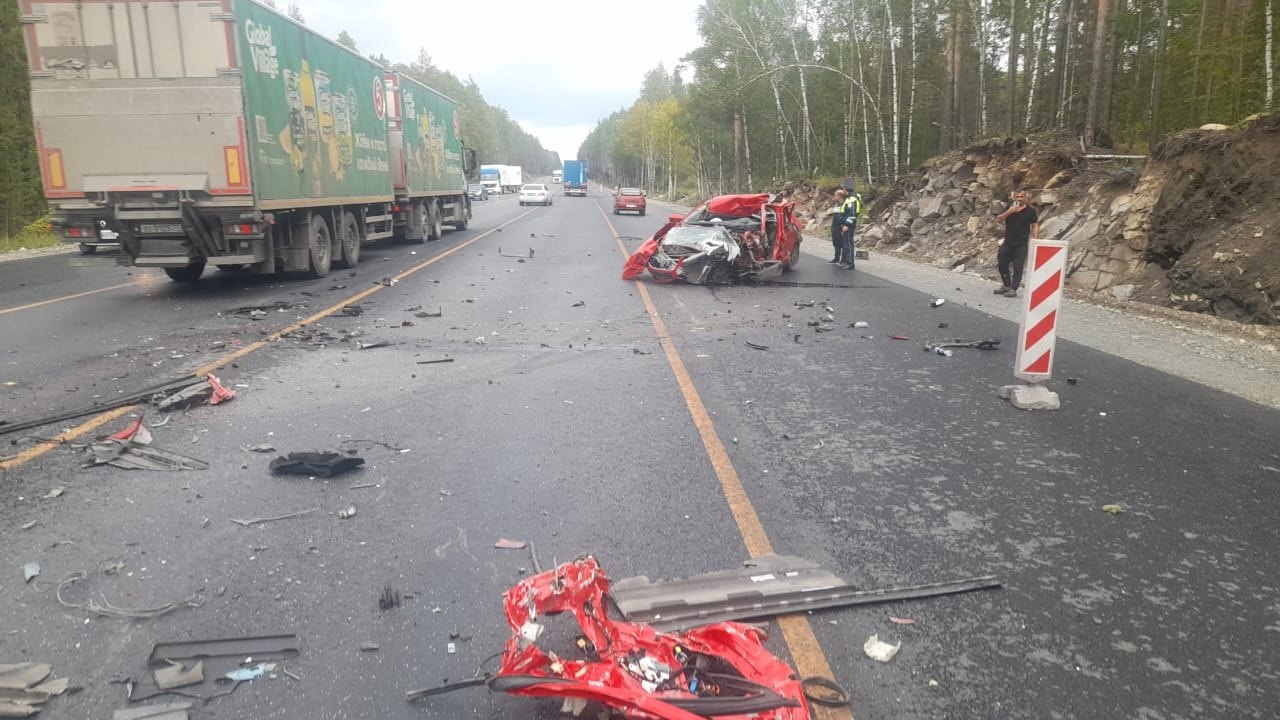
x=665, y=445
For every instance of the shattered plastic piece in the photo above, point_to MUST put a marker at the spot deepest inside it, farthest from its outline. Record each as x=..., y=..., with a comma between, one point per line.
x=505, y=544
x=580, y=303
x=21, y=676
x=878, y=650
x=372, y=345
x=30, y=571
x=899, y=337
x=1113, y=509
x=756, y=346
x=326, y=464
x=167, y=711
x=861, y=324
x=249, y=673
x=220, y=393
x=286, y=516
x=261, y=448
x=369, y=647
x=452, y=648
x=54, y=493
x=901, y=620
x=937, y=302
x=178, y=675
x=348, y=512
x=28, y=526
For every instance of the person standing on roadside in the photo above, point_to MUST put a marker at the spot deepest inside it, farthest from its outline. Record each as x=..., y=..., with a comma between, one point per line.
x=837, y=223
x=850, y=210
x=1020, y=225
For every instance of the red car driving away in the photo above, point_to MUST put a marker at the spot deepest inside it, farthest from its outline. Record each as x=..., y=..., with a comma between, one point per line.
x=629, y=200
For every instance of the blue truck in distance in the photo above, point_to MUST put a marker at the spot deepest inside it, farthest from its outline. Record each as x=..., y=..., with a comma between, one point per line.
x=575, y=178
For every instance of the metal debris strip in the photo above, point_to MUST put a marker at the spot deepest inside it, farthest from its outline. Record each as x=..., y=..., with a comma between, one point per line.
x=286, y=516
x=756, y=346
x=435, y=362
x=424, y=314
x=526, y=257
x=219, y=657
x=105, y=608
x=984, y=344
x=772, y=585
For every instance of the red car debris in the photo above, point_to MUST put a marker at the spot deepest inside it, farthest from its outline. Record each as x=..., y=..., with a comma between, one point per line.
x=718, y=670
x=730, y=238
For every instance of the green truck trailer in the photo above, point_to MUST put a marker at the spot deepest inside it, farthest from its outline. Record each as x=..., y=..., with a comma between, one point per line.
x=198, y=132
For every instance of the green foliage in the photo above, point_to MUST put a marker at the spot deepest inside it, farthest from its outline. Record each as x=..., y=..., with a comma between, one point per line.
x=36, y=234
x=344, y=38
x=21, y=196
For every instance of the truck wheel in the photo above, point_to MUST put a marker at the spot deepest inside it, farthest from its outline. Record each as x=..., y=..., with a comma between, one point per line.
x=319, y=246
x=466, y=216
x=437, y=222
x=186, y=273
x=349, y=240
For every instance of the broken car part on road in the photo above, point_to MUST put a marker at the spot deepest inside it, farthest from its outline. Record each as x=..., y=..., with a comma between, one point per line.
x=984, y=344
x=221, y=662
x=317, y=464
x=770, y=585
x=720, y=670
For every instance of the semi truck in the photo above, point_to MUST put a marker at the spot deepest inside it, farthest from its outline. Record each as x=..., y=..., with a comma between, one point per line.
x=575, y=177
x=491, y=178
x=223, y=133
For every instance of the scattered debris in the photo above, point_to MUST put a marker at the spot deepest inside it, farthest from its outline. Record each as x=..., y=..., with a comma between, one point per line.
x=167, y=711
x=129, y=449
x=371, y=345
x=22, y=676
x=30, y=571
x=386, y=281
x=1113, y=509
x=227, y=661
x=771, y=585
x=261, y=448
x=580, y=303
x=942, y=351
x=804, y=303
x=860, y=324
x=638, y=351
x=28, y=526
x=177, y=675
x=106, y=609
x=937, y=302
x=527, y=257
x=362, y=486
x=210, y=390
x=369, y=647
x=1030, y=397
x=506, y=544
x=899, y=337
x=901, y=620
x=54, y=493
x=943, y=325
x=756, y=346
x=389, y=599
x=257, y=312
x=424, y=314
x=878, y=650
x=984, y=344
x=320, y=464
x=435, y=362
x=347, y=512
x=451, y=648
x=287, y=516
x=1072, y=381
x=352, y=310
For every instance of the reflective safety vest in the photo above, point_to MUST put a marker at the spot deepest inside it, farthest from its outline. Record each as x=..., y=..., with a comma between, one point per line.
x=851, y=208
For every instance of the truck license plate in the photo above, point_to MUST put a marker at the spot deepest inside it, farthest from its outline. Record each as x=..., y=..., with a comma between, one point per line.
x=159, y=228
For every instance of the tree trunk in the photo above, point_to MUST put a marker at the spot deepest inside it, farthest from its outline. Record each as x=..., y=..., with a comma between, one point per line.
x=1013, y=67
x=1157, y=79
x=806, y=119
x=737, y=151
x=1059, y=99
x=894, y=157
x=1195, y=64
x=1095, y=75
x=911, y=100
x=1270, y=65
x=949, y=86
x=1036, y=71
x=980, y=29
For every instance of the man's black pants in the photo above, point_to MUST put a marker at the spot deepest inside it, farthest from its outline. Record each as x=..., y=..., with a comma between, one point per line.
x=1011, y=259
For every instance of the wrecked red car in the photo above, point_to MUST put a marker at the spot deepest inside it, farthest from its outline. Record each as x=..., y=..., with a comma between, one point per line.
x=719, y=670
x=730, y=238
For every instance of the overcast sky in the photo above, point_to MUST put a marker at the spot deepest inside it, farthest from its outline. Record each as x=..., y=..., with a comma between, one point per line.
x=556, y=67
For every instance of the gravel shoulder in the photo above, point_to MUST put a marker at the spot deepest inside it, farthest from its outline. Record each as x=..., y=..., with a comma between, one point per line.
x=25, y=254
x=1243, y=360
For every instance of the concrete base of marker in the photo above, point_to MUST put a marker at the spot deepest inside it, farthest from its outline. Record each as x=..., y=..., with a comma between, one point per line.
x=1030, y=397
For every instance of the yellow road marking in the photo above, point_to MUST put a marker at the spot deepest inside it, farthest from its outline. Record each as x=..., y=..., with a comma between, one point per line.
x=796, y=630
x=64, y=298
x=36, y=451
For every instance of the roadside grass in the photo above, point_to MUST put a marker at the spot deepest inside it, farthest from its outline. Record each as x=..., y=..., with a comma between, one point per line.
x=37, y=234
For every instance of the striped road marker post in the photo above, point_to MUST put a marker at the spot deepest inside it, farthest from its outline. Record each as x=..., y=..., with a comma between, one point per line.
x=1038, y=329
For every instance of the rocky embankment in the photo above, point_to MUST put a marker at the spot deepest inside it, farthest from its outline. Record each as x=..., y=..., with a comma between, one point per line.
x=1193, y=226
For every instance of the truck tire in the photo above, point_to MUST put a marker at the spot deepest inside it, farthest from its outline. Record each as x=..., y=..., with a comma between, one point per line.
x=421, y=220
x=186, y=273
x=349, y=238
x=461, y=224
x=319, y=246
x=435, y=220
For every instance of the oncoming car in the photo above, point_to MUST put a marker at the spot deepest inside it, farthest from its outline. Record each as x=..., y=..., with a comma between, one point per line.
x=629, y=200
x=535, y=194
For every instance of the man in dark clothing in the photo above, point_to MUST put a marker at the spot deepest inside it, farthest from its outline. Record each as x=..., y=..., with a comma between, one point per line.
x=1020, y=224
x=837, y=224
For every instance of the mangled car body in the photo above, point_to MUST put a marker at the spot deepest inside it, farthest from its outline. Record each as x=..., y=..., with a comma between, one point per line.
x=731, y=238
